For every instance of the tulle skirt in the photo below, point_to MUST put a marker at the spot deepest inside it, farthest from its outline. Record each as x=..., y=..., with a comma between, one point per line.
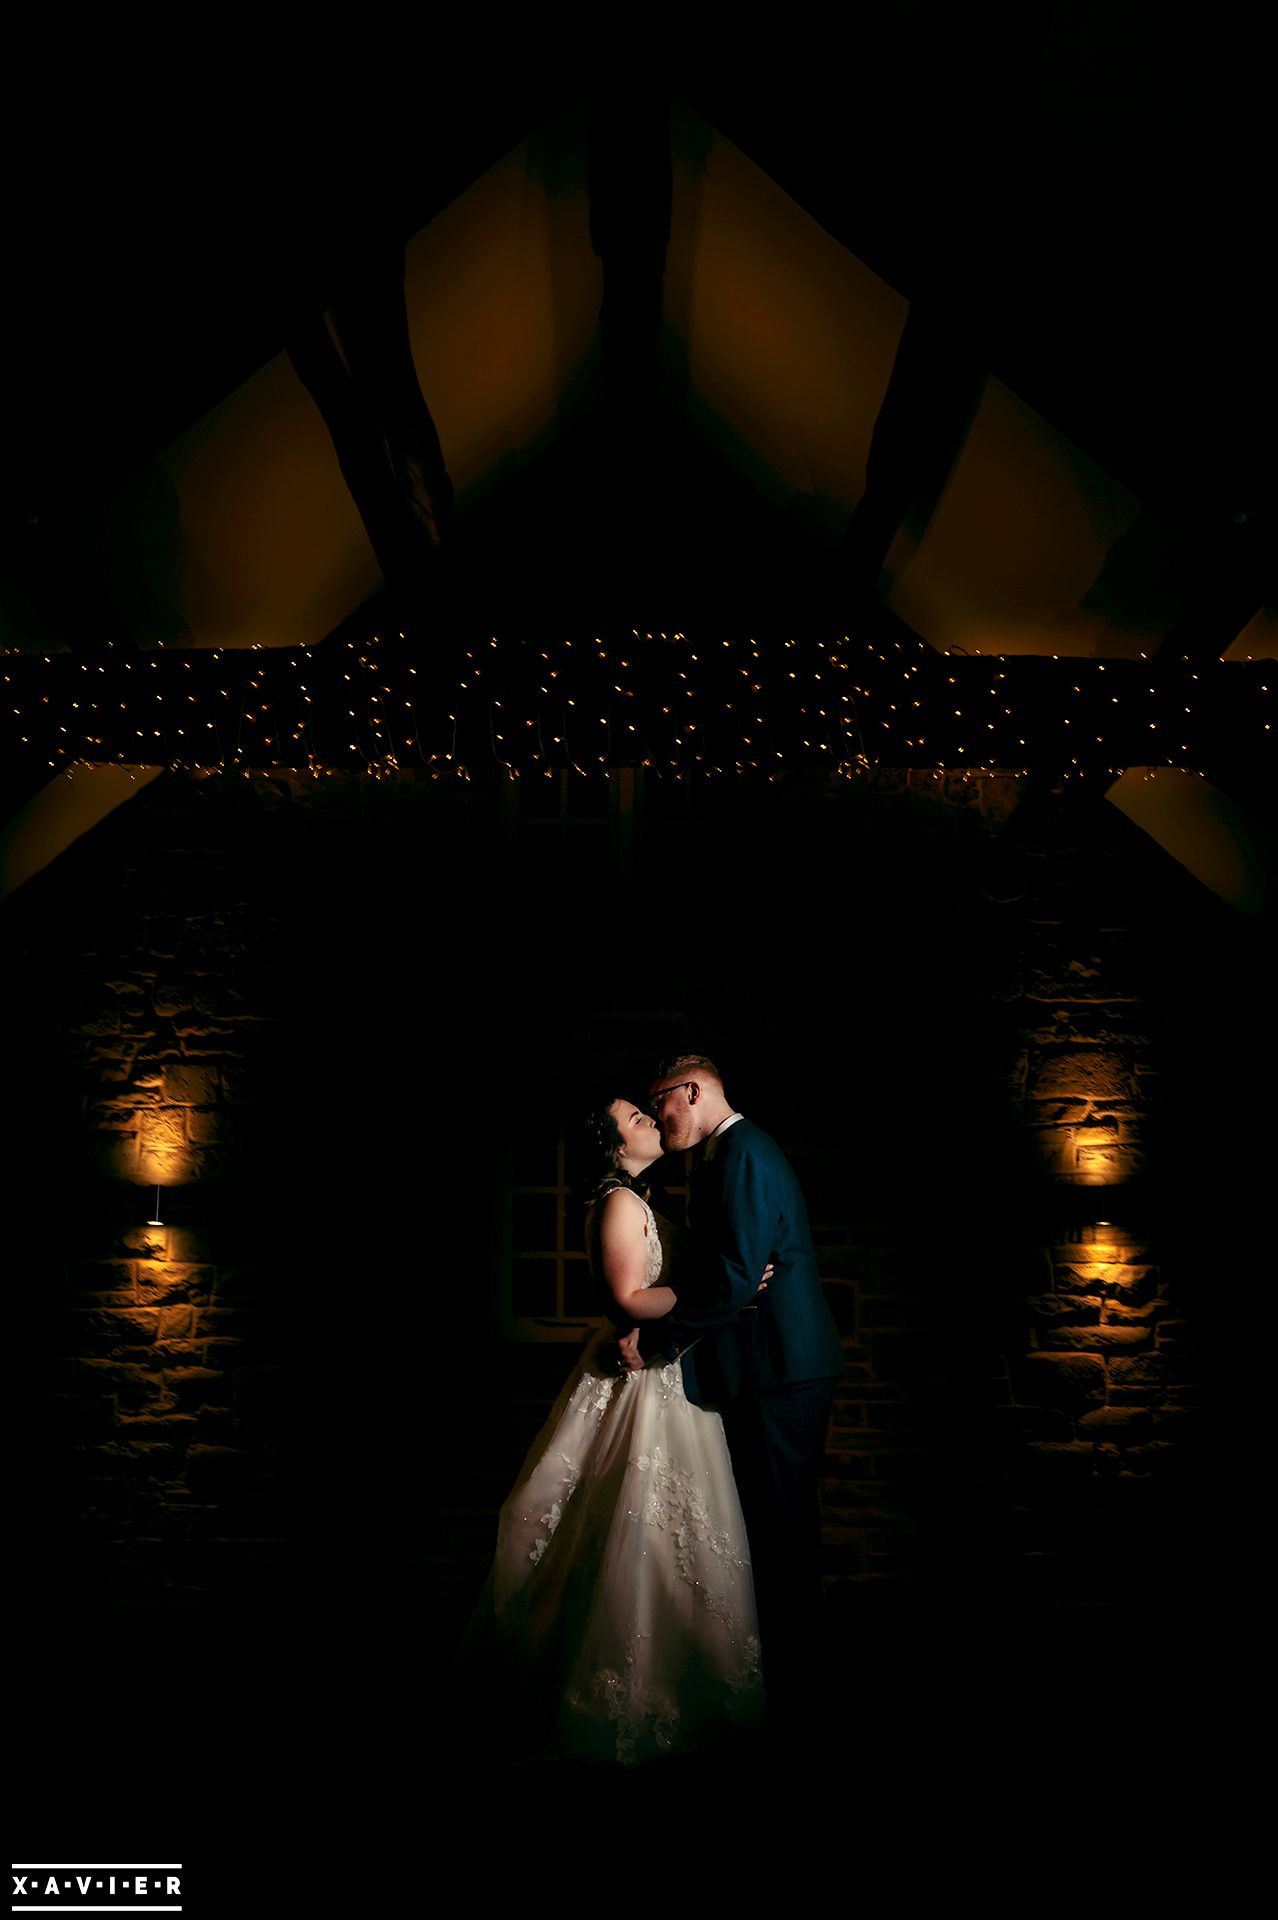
x=618, y=1624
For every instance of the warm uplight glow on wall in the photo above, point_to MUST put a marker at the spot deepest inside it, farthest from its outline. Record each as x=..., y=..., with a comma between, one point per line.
x=240, y=533
x=64, y=809
x=789, y=338
x=1100, y=1165
x=1108, y=1256
x=1258, y=639
x=1219, y=841
x=503, y=297
x=1033, y=548
x=164, y=1159
x=1093, y=1153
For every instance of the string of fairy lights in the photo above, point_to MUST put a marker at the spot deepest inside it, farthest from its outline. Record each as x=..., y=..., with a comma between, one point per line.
x=680, y=705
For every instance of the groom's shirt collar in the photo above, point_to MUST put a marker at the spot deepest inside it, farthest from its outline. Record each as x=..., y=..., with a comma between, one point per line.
x=712, y=1140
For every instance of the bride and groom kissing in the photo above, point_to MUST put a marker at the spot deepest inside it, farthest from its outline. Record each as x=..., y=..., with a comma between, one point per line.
x=657, y=1574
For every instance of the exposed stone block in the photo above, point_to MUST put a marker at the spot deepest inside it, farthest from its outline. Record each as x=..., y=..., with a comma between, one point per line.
x=1070, y=1309
x=163, y=1128
x=138, y=1389
x=1119, y=1313
x=149, y=1243
x=170, y=1000
x=1161, y=1457
x=207, y=1163
x=1100, y=1339
x=124, y=989
x=1106, y=1165
x=1141, y=1370
x=1080, y=1277
x=168, y=1283
x=118, y=1156
x=1059, y=1380
x=1108, y=1422
x=1080, y=1073
x=190, y=1086
x=133, y=1327
x=175, y=1322
x=165, y=1166
x=171, y=1428
x=196, y=1388
x=1057, y=1112
x=1175, y=1336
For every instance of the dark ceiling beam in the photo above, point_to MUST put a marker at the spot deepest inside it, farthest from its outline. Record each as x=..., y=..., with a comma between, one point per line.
x=1230, y=572
x=931, y=399
x=630, y=184
x=357, y=365
x=52, y=577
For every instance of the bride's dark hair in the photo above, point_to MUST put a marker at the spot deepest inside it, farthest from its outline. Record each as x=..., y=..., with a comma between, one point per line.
x=603, y=1149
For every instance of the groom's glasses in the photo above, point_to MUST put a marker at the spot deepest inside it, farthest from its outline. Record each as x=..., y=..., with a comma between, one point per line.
x=655, y=1101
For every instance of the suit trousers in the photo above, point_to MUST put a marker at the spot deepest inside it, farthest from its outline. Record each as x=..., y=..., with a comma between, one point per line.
x=777, y=1442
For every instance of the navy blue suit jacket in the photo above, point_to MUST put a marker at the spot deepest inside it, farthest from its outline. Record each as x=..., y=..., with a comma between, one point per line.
x=746, y=1210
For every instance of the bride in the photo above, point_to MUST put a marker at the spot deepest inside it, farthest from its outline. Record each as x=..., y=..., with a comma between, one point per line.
x=620, y=1604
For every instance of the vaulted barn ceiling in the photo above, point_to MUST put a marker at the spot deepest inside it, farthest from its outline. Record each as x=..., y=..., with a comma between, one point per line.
x=958, y=333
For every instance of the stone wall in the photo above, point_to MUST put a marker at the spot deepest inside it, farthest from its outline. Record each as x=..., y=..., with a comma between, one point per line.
x=307, y=1011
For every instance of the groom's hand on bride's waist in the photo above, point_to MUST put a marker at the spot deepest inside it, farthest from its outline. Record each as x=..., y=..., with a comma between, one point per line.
x=630, y=1358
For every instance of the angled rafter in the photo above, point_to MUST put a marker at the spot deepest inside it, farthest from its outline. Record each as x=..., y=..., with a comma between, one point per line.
x=630, y=188
x=357, y=365
x=931, y=399
x=54, y=581
x=1226, y=587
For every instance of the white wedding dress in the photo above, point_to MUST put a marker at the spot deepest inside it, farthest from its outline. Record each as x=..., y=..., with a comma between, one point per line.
x=620, y=1598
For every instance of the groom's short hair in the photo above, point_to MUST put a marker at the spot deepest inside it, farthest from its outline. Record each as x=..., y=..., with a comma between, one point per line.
x=696, y=1063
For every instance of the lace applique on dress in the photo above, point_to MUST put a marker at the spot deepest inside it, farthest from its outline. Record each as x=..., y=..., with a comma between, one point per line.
x=625, y=1504
x=550, y=1520
x=673, y=1501
x=647, y=1722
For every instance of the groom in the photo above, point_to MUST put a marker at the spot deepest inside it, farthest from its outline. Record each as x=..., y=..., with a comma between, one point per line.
x=766, y=1360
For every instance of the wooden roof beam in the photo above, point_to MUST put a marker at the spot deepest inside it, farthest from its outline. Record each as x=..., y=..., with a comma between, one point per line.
x=357, y=365
x=630, y=183
x=931, y=400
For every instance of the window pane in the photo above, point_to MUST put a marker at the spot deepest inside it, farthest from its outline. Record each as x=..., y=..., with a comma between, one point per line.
x=533, y=1288
x=536, y=1161
x=539, y=798
x=588, y=797
x=534, y=1222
